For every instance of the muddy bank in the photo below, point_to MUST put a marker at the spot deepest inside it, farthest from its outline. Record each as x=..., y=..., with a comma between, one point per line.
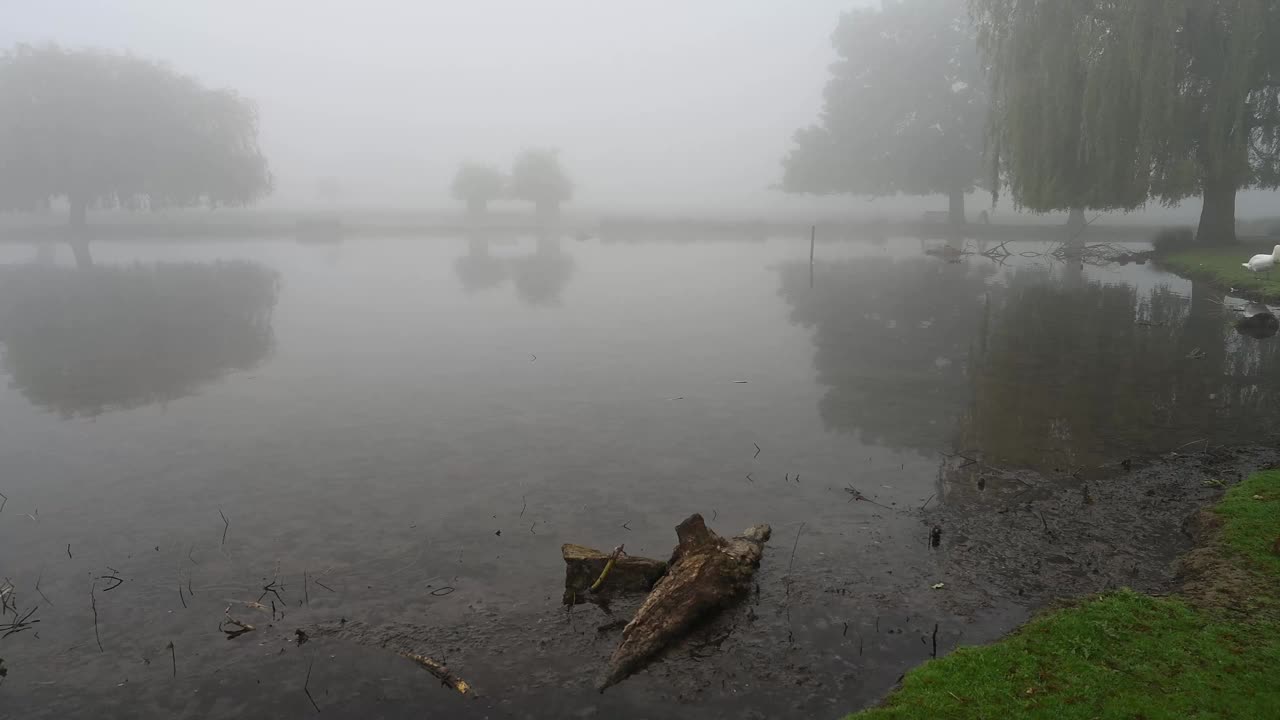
x=827, y=638
x=829, y=635
x=835, y=636
x=1032, y=539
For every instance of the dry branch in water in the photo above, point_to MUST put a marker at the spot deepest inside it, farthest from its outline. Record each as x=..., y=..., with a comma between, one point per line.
x=585, y=579
x=233, y=627
x=20, y=624
x=443, y=673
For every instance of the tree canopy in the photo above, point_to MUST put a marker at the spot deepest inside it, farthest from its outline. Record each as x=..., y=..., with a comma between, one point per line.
x=538, y=177
x=905, y=106
x=1112, y=103
x=116, y=130
x=477, y=185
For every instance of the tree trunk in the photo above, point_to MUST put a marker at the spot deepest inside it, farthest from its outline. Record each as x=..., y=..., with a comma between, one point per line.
x=78, y=238
x=79, y=210
x=46, y=253
x=706, y=573
x=1218, y=217
x=80, y=248
x=1076, y=220
x=956, y=214
x=548, y=212
x=1076, y=225
x=476, y=206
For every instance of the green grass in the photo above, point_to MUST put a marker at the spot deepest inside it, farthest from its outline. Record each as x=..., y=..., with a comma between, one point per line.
x=1127, y=655
x=1251, y=522
x=1221, y=266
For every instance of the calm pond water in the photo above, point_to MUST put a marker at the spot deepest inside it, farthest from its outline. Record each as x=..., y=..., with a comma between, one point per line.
x=417, y=425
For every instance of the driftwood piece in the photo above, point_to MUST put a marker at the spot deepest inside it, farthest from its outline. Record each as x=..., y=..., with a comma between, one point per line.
x=706, y=573
x=583, y=565
x=441, y=672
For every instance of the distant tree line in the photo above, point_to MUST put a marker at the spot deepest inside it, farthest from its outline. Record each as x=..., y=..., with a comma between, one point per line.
x=100, y=129
x=536, y=176
x=1065, y=105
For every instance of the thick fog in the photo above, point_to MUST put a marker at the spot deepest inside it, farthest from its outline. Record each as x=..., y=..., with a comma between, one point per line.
x=658, y=106
x=670, y=104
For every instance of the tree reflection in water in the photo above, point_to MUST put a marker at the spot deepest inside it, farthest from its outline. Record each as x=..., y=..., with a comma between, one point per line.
x=540, y=277
x=1031, y=369
x=892, y=340
x=479, y=269
x=85, y=342
x=543, y=275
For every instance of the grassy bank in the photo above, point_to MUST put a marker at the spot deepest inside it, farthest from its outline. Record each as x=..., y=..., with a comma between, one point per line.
x=1221, y=267
x=1211, y=652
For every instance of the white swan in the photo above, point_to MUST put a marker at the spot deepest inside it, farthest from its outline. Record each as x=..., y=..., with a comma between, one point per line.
x=1263, y=263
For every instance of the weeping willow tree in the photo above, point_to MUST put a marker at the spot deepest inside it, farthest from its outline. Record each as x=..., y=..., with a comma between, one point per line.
x=1041, y=83
x=1110, y=104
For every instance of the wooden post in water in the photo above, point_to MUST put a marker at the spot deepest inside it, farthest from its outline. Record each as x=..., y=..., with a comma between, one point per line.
x=813, y=236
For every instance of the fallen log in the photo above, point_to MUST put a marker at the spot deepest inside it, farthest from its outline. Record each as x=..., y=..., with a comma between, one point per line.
x=706, y=573
x=583, y=566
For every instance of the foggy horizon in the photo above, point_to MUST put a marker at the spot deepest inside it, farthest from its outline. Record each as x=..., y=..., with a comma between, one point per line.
x=649, y=106
x=673, y=108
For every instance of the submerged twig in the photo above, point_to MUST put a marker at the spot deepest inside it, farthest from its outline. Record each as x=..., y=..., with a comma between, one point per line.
x=272, y=588
x=857, y=495
x=41, y=592
x=20, y=624
x=437, y=669
x=226, y=525
x=790, y=564
x=238, y=628
x=8, y=598
x=306, y=686
x=113, y=576
x=93, y=604
x=795, y=545
x=1043, y=522
x=1193, y=442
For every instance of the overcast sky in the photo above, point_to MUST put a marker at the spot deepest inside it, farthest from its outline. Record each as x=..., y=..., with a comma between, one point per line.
x=685, y=102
